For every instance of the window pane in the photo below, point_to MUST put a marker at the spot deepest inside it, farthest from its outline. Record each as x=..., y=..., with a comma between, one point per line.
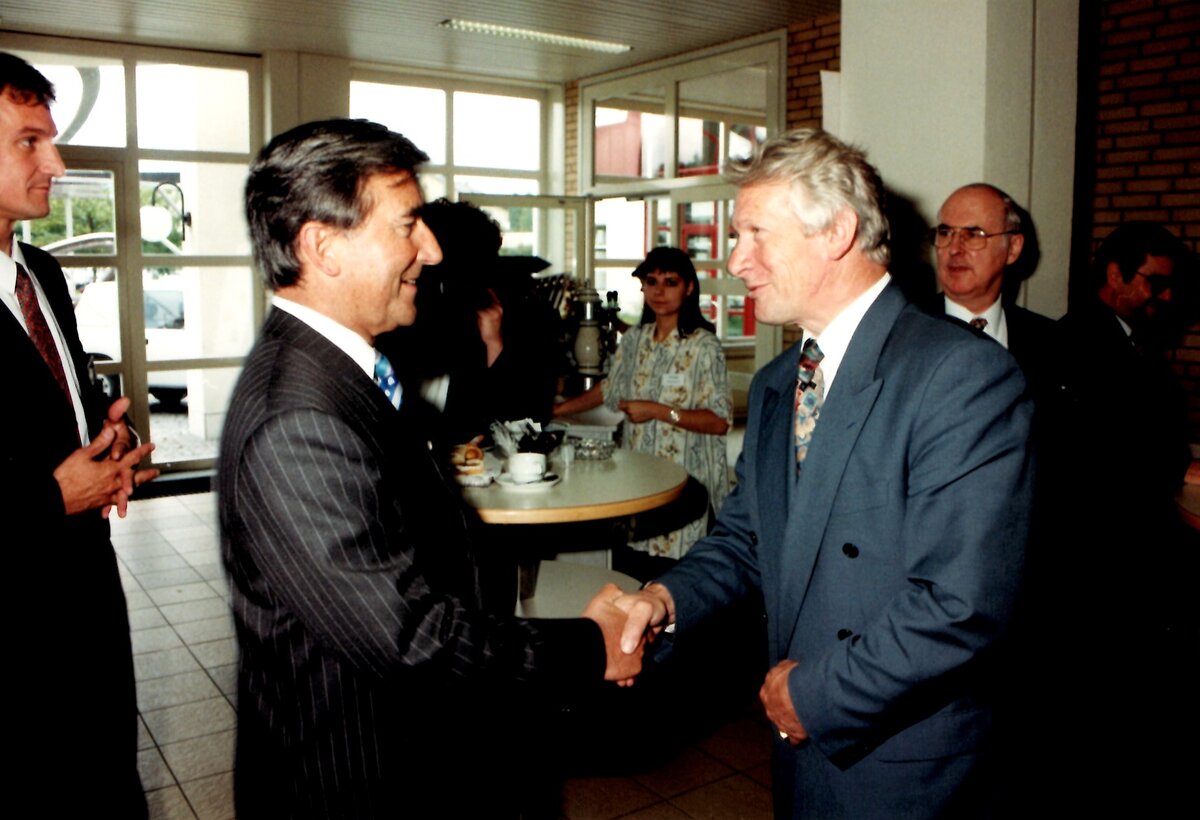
x=730, y=105
x=744, y=139
x=631, y=136
x=187, y=411
x=628, y=288
x=191, y=108
x=517, y=228
x=699, y=231
x=497, y=132
x=417, y=113
x=494, y=185
x=620, y=229
x=433, y=186
x=97, y=313
x=89, y=106
x=82, y=217
x=211, y=197
x=192, y=312
x=699, y=147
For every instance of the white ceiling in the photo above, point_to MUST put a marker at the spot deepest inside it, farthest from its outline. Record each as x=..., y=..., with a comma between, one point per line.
x=406, y=32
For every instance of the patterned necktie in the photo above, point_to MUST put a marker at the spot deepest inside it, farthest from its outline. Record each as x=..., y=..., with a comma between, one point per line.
x=979, y=323
x=385, y=377
x=39, y=330
x=810, y=393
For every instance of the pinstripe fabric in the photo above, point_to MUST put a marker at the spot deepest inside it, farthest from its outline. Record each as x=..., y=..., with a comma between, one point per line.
x=367, y=671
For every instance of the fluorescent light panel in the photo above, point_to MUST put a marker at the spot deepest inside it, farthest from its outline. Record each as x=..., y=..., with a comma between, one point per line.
x=475, y=27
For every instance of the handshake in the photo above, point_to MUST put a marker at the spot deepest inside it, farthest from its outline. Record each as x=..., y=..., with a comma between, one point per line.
x=629, y=620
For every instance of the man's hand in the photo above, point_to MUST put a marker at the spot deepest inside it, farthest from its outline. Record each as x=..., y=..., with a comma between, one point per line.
x=648, y=611
x=639, y=412
x=777, y=700
x=621, y=666
x=88, y=484
x=116, y=420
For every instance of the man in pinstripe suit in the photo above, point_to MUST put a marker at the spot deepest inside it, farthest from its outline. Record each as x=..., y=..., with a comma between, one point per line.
x=370, y=681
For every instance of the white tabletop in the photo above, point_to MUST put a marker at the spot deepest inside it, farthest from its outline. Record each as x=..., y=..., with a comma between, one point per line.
x=564, y=589
x=627, y=483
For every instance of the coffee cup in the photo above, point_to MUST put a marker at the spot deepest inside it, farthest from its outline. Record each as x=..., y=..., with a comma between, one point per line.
x=525, y=468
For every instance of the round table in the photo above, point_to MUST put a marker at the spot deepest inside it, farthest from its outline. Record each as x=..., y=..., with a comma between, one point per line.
x=625, y=484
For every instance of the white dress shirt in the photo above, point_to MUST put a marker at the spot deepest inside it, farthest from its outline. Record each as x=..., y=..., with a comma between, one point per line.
x=997, y=325
x=338, y=334
x=835, y=339
x=8, y=294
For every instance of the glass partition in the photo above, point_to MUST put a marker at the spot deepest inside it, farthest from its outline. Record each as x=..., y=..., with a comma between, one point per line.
x=631, y=135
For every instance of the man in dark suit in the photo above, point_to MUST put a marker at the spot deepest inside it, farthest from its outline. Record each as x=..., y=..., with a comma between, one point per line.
x=371, y=683
x=66, y=464
x=980, y=238
x=881, y=507
x=1127, y=568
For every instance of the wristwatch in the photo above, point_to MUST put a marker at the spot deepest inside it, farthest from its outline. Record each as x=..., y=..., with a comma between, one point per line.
x=673, y=416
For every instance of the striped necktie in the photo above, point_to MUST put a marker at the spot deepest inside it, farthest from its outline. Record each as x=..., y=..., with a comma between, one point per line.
x=385, y=378
x=810, y=393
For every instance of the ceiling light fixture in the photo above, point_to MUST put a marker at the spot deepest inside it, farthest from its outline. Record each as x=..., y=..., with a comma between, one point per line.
x=535, y=36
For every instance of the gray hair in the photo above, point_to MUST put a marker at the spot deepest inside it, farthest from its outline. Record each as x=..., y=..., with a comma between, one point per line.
x=827, y=176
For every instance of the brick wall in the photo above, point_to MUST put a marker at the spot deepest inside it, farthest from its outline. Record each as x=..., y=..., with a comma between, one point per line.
x=1147, y=133
x=813, y=46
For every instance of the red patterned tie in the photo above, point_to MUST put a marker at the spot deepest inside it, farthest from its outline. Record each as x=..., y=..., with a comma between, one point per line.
x=39, y=331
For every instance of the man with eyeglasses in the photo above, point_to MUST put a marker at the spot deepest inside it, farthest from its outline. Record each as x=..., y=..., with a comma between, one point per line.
x=1128, y=568
x=980, y=238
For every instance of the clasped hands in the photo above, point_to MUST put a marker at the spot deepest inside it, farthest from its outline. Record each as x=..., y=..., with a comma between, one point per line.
x=630, y=620
x=89, y=479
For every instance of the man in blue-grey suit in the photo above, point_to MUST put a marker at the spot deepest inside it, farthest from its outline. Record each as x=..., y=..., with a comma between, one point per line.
x=881, y=508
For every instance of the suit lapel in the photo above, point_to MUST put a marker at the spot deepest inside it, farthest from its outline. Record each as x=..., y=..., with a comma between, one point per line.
x=843, y=417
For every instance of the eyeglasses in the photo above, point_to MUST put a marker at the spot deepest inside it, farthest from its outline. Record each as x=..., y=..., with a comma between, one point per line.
x=973, y=239
x=1158, y=283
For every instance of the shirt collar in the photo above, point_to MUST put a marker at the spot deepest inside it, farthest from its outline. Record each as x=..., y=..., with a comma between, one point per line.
x=339, y=335
x=837, y=335
x=997, y=324
x=8, y=267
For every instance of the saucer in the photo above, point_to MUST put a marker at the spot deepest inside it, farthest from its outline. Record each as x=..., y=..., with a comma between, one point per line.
x=547, y=481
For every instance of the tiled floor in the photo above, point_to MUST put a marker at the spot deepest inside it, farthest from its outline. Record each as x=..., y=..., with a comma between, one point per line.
x=185, y=655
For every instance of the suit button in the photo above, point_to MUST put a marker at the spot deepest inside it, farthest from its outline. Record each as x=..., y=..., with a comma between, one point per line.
x=843, y=634
x=754, y=538
x=849, y=550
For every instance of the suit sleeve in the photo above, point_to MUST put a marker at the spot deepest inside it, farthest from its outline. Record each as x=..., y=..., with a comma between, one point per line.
x=961, y=545
x=327, y=540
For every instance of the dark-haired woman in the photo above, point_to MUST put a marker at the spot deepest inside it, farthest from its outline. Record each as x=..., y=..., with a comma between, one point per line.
x=669, y=379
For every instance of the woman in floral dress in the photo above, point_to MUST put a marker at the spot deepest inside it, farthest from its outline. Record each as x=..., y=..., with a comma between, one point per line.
x=669, y=379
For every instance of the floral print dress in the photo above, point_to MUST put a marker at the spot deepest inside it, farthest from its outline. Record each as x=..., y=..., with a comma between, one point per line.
x=691, y=374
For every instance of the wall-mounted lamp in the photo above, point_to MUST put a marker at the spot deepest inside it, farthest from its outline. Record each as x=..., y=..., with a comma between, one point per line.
x=158, y=220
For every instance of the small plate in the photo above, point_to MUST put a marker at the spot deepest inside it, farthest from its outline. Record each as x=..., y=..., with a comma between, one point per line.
x=478, y=480
x=548, y=480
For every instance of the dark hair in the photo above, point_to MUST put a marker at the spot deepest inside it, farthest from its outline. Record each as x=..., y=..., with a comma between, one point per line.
x=672, y=260
x=22, y=82
x=316, y=173
x=1130, y=244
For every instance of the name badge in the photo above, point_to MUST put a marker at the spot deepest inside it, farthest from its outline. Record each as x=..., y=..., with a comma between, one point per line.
x=673, y=380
